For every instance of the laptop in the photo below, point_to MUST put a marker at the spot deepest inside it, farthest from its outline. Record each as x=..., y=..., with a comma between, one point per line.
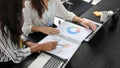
x=45, y=60
x=59, y=57
x=91, y=35
x=105, y=16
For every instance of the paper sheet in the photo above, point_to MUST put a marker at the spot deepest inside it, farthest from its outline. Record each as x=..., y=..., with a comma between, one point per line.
x=69, y=39
x=64, y=49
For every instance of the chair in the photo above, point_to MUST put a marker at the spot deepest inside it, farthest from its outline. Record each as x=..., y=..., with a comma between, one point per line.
x=67, y=4
x=77, y=6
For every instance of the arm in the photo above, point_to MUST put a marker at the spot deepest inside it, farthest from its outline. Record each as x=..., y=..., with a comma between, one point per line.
x=35, y=47
x=41, y=47
x=46, y=30
x=27, y=25
x=19, y=55
x=64, y=14
x=83, y=22
x=16, y=54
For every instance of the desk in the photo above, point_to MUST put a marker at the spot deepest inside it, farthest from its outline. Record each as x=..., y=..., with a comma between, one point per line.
x=103, y=51
x=111, y=4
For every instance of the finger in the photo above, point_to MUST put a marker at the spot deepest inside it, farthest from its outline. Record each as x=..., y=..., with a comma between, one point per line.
x=92, y=26
x=86, y=26
x=54, y=31
x=54, y=42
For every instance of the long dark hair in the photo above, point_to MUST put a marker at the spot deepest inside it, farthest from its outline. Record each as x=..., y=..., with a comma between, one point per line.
x=39, y=6
x=11, y=18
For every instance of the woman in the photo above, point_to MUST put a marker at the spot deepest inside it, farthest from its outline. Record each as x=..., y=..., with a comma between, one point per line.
x=39, y=15
x=11, y=48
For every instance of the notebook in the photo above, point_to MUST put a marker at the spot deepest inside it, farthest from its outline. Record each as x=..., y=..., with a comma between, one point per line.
x=69, y=40
x=91, y=35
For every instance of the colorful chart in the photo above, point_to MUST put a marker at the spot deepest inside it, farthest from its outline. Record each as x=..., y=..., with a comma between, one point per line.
x=73, y=30
x=64, y=45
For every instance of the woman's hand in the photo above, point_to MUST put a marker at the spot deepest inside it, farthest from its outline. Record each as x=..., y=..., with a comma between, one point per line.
x=46, y=30
x=85, y=23
x=50, y=30
x=88, y=24
x=46, y=46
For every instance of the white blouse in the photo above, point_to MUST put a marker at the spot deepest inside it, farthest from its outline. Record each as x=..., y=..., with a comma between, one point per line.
x=55, y=9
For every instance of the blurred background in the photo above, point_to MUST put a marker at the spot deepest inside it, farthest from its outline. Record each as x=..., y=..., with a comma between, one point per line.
x=79, y=6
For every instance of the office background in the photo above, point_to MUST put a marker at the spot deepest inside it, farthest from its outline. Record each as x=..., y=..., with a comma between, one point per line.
x=103, y=51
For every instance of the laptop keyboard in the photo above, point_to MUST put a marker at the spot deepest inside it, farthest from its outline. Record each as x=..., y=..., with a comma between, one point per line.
x=53, y=63
x=47, y=61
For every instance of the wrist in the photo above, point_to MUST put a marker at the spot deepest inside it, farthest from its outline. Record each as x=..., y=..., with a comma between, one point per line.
x=78, y=20
x=35, y=48
x=37, y=29
x=29, y=44
x=24, y=39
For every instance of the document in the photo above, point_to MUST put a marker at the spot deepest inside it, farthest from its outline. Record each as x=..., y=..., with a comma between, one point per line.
x=69, y=39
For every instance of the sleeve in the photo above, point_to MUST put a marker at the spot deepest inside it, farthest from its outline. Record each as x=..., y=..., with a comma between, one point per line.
x=11, y=51
x=27, y=25
x=21, y=55
x=14, y=54
x=62, y=12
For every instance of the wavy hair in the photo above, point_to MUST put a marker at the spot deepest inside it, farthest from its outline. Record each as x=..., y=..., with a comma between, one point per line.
x=11, y=18
x=39, y=6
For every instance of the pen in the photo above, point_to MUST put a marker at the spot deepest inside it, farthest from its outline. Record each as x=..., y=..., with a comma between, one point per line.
x=61, y=45
x=59, y=22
